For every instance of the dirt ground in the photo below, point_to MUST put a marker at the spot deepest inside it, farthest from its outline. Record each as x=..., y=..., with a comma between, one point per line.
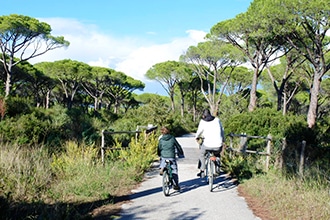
x=256, y=206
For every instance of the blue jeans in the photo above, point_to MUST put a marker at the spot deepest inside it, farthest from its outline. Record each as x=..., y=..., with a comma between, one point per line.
x=174, y=167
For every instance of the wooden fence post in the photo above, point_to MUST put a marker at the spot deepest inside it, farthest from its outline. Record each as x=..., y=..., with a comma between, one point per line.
x=269, y=142
x=243, y=143
x=302, y=158
x=102, y=147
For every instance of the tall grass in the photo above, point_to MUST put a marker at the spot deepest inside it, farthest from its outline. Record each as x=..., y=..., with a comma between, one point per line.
x=289, y=198
x=83, y=177
x=25, y=173
x=54, y=186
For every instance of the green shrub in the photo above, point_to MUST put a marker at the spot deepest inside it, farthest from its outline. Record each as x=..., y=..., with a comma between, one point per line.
x=82, y=176
x=260, y=122
x=239, y=166
x=140, y=154
x=73, y=160
x=289, y=128
x=29, y=129
x=16, y=106
x=57, y=134
x=155, y=113
x=51, y=127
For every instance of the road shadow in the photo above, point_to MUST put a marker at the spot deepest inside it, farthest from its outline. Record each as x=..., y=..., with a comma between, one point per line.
x=59, y=210
x=223, y=182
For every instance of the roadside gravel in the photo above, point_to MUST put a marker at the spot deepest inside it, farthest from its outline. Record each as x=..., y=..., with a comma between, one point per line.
x=194, y=201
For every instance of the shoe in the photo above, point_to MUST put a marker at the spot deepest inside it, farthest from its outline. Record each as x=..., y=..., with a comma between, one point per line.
x=161, y=171
x=176, y=187
x=201, y=174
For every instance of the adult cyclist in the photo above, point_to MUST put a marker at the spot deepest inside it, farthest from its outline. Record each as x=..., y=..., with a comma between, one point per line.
x=210, y=130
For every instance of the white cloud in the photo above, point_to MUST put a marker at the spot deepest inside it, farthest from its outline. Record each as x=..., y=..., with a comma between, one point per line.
x=141, y=59
x=130, y=55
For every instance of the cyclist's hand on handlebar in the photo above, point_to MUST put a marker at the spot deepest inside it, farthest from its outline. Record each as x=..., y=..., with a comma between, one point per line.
x=199, y=140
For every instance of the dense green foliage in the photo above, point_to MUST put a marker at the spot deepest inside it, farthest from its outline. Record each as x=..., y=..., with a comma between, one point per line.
x=287, y=133
x=265, y=121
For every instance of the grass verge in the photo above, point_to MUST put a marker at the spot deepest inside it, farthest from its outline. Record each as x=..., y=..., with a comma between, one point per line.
x=274, y=196
x=73, y=184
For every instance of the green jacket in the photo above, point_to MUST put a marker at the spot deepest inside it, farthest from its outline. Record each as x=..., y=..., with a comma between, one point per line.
x=167, y=146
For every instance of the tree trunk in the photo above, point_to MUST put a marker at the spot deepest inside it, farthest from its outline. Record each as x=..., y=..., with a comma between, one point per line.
x=172, y=100
x=96, y=104
x=47, y=99
x=194, y=113
x=284, y=110
x=253, y=92
x=312, y=110
x=115, y=110
x=8, y=81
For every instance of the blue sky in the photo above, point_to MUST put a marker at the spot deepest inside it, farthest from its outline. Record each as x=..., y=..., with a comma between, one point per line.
x=126, y=35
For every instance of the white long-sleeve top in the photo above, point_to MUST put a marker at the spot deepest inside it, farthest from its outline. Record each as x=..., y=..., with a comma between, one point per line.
x=212, y=132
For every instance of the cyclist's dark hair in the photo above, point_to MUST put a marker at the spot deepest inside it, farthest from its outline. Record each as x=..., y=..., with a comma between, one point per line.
x=207, y=115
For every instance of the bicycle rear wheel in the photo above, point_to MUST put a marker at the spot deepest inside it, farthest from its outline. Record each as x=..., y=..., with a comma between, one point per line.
x=210, y=174
x=166, y=183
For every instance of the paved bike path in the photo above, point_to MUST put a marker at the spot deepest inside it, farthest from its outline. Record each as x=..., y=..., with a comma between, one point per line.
x=194, y=201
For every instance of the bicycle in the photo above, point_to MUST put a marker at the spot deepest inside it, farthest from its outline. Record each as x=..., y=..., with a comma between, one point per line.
x=210, y=168
x=167, y=182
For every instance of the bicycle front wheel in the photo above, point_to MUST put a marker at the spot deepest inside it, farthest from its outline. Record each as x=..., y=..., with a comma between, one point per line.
x=166, y=183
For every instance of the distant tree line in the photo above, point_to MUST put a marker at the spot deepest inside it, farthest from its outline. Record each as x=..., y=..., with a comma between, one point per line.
x=274, y=55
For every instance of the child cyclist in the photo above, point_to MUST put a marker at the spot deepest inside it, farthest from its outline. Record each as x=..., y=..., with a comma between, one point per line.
x=168, y=146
